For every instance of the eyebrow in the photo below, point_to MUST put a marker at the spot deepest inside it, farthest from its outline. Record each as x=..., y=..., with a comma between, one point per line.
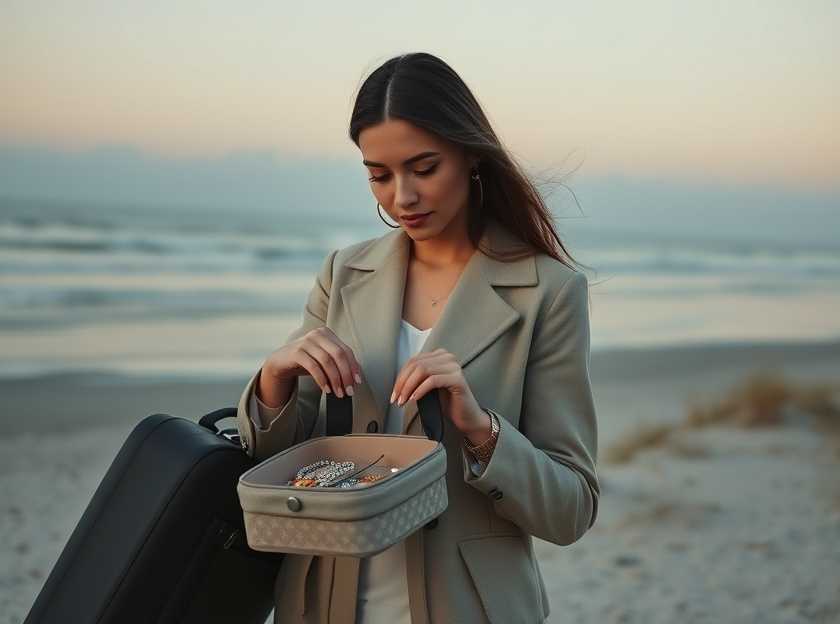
x=407, y=161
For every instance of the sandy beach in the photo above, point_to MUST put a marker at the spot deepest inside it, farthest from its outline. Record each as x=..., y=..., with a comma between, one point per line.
x=720, y=523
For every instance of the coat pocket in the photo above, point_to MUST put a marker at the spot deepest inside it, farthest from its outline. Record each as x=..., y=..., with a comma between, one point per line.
x=504, y=577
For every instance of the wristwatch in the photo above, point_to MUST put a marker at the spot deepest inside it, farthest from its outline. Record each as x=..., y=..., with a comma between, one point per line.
x=484, y=451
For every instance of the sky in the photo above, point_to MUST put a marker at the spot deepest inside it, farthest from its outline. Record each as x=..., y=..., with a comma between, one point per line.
x=161, y=101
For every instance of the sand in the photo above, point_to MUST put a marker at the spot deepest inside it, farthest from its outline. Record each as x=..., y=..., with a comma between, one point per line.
x=721, y=525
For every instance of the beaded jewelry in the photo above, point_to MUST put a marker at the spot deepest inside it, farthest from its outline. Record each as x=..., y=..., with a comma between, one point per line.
x=370, y=478
x=312, y=467
x=321, y=473
x=362, y=469
x=328, y=473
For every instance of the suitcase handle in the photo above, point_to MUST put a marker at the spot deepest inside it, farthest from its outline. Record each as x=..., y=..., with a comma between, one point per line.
x=209, y=420
x=340, y=414
x=231, y=434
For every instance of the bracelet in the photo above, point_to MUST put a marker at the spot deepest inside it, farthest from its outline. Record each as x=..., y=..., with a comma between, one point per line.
x=483, y=451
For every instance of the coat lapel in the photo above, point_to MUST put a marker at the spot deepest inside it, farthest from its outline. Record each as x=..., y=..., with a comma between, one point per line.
x=474, y=316
x=373, y=304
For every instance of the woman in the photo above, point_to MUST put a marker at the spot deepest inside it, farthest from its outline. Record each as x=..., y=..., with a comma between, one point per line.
x=475, y=300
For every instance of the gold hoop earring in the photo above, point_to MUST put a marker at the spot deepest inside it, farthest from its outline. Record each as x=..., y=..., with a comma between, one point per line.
x=477, y=178
x=383, y=219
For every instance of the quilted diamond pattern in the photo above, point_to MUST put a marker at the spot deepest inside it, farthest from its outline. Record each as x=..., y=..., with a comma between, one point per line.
x=358, y=538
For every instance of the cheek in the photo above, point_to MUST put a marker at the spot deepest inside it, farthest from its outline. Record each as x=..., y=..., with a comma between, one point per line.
x=445, y=188
x=381, y=194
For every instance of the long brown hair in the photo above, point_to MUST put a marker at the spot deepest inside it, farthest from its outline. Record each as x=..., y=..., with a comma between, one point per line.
x=422, y=89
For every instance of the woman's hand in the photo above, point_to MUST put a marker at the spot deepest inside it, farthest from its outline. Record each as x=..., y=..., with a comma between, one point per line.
x=321, y=354
x=440, y=369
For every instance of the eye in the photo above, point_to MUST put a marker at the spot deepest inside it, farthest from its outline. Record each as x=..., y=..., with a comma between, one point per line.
x=428, y=171
x=424, y=172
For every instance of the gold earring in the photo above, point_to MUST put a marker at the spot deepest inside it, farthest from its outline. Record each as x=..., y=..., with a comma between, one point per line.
x=477, y=178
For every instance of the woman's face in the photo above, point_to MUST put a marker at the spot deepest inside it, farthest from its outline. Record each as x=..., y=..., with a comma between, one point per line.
x=412, y=172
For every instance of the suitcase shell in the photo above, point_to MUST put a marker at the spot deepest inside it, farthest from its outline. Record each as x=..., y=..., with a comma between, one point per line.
x=162, y=539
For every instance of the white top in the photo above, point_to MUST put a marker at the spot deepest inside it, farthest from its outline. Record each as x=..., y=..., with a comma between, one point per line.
x=383, y=585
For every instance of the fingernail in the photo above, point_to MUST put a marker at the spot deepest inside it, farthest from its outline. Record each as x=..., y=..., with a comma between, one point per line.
x=350, y=390
x=338, y=392
x=392, y=396
x=327, y=389
x=401, y=401
x=358, y=377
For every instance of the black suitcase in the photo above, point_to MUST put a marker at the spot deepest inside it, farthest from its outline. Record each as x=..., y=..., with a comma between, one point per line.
x=162, y=540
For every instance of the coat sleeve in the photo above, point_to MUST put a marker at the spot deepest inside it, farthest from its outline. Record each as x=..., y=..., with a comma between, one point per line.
x=542, y=475
x=266, y=431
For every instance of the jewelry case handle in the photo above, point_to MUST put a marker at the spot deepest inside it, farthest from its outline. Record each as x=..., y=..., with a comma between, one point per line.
x=340, y=414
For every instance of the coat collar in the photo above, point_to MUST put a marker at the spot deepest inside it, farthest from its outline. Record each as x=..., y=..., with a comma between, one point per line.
x=473, y=317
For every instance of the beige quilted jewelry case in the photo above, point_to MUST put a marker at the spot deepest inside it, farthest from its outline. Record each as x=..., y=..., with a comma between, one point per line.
x=355, y=521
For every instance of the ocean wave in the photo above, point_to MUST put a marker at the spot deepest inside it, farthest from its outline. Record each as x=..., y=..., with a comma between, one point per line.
x=632, y=260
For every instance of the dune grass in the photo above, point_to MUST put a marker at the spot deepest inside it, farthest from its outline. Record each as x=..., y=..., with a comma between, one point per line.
x=759, y=400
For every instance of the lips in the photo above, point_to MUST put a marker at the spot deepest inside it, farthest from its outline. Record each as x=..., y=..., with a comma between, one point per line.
x=414, y=217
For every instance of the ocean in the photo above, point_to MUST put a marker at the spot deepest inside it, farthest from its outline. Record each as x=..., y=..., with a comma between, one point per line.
x=194, y=293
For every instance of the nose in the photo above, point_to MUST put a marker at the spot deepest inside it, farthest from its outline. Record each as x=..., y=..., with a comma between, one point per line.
x=405, y=194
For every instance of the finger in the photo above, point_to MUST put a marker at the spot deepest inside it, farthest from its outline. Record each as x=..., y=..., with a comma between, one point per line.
x=436, y=360
x=353, y=363
x=447, y=375
x=312, y=366
x=327, y=364
x=355, y=367
x=406, y=371
x=419, y=372
x=338, y=352
x=438, y=380
x=428, y=384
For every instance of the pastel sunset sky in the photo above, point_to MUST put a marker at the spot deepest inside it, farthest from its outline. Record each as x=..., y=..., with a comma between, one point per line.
x=742, y=95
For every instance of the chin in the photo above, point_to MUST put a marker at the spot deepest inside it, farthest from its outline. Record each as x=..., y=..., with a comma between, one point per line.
x=422, y=235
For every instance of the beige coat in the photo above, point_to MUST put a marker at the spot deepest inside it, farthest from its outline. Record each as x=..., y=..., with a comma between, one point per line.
x=520, y=331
